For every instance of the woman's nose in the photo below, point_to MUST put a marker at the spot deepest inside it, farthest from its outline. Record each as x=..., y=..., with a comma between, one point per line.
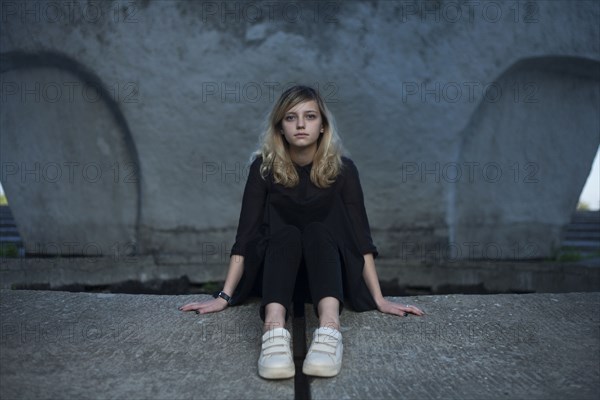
x=300, y=123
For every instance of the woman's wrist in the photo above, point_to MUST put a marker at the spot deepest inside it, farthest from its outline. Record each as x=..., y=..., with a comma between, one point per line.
x=222, y=300
x=223, y=296
x=379, y=300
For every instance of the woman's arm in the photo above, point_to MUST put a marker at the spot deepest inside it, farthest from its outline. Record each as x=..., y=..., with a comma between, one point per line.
x=234, y=274
x=383, y=305
x=370, y=276
x=253, y=204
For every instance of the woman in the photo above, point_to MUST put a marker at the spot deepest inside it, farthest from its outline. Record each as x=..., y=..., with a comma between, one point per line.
x=303, y=234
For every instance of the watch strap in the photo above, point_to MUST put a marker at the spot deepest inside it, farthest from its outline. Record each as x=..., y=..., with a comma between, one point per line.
x=224, y=296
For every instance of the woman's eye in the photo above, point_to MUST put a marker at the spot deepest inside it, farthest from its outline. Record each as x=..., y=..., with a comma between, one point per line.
x=289, y=118
x=311, y=116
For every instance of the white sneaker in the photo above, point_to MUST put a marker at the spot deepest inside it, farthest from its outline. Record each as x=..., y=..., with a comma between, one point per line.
x=276, y=360
x=324, y=356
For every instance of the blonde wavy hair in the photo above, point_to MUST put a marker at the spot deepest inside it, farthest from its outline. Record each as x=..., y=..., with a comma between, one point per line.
x=274, y=149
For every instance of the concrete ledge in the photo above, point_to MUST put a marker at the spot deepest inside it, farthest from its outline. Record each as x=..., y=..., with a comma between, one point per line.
x=529, y=346
x=494, y=276
x=79, y=345
x=58, y=272
x=436, y=277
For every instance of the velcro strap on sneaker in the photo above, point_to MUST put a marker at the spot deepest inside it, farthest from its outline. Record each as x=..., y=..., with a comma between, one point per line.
x=324, y=347
x=275, y=349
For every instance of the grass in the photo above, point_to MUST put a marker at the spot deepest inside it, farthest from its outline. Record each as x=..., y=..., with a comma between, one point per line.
x=571, y=254
x=568, y=256
x=9, y=251
x=211, y=287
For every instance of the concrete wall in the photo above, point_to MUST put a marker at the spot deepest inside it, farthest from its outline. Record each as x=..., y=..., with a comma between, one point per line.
x=418, y=88
x=67, y=160
x=529, y=157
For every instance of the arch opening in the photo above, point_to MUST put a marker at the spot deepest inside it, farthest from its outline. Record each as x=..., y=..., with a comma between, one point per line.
x=534, y=147
x=74, y=178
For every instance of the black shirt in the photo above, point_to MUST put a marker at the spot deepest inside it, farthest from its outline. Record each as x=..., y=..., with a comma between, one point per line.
x=267, y=206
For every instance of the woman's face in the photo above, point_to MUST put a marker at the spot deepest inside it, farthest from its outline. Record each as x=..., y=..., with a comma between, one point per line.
x=302, y=125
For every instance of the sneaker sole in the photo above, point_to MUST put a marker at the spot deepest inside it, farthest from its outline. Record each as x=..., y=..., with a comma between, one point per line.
x=322, y=371
x=277, y=373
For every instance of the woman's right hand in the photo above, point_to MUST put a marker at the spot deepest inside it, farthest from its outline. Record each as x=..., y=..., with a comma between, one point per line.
x=205, y=307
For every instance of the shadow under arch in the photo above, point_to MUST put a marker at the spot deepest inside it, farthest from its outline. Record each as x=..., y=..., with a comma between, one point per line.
x=20, y=60
x=537, y=139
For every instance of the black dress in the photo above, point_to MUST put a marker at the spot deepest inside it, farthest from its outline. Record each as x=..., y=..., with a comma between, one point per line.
x=267, y=206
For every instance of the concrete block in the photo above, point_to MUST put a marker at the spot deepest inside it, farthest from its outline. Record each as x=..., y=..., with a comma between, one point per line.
x=534, y=346
x=418, y=90
x=77, y=345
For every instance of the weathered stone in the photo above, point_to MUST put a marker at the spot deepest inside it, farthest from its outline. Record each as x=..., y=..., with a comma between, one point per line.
x=75, y=345
x=542, y=346
x=518, y=164
x=92, y=271
x=417, y=88
x=409, y=276
x=67, y=166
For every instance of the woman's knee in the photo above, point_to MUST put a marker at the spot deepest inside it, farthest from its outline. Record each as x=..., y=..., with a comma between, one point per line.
x=316, y=231
x=285, y=245
x=288, y=234
x=319, y=246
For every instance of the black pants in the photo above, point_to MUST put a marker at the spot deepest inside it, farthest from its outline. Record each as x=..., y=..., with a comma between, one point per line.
x=296, y=259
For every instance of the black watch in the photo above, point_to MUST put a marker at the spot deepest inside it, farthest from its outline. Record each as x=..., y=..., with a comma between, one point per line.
x=224, y=296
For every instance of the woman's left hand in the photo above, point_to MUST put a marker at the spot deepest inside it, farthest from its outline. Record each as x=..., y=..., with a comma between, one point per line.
x=389, y=307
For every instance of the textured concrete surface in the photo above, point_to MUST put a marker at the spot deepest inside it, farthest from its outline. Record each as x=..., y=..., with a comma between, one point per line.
x=72, y=345
x=57, y=345
x=531, y=346
x=530, y=207
x=454, y=112
x=95, y=271
x=411, y=275
x=73, y=174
